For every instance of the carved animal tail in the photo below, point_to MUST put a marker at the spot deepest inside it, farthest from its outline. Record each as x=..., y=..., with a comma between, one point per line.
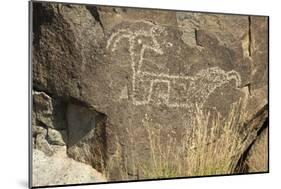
x=234, y=75
x=116, y=37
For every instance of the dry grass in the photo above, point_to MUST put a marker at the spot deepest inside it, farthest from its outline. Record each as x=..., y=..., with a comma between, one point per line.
x=115, y=165
x=212, y=146
x=216, y=144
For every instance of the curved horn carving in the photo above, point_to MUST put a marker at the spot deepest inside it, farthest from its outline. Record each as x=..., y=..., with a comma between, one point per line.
x=233, y=75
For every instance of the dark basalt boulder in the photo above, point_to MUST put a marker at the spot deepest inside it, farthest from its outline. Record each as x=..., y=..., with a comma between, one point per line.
x=118, y=72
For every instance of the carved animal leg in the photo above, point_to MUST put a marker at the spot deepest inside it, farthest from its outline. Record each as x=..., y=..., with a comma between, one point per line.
x=159, y=92
x=141, y=94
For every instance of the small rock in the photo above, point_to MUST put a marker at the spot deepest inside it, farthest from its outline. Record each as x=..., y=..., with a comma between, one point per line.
x=36, y=130
x=60, y=169
x=42, y=104
x=56, y=137
x=42, y=144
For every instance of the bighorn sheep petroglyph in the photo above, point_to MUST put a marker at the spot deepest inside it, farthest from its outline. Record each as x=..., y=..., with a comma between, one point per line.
x=179, y=91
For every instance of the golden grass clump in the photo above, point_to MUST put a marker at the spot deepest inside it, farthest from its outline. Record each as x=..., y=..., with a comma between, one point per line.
x=211, y=146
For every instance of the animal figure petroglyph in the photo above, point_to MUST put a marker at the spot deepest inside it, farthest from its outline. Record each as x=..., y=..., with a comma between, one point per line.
x=162, y=88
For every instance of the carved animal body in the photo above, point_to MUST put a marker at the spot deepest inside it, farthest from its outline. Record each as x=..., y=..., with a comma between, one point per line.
x=161, y=88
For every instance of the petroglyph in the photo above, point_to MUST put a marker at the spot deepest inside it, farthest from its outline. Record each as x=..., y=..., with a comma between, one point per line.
x=161, y=88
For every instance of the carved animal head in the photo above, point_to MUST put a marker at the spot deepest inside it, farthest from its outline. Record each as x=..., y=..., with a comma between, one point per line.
x=218, y=77
x=233, y=75
x=144, y=38
x=139, y=40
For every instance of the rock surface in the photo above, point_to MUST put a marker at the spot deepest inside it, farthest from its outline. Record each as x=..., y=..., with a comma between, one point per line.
x=57, y=137
x=42, y=144
x=257, y=159
x=108, y=70
x=86, y=135
x=60, y=169
x=43, y=107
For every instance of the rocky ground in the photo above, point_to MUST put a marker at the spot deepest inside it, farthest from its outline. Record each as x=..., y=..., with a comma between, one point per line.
x=59, y=169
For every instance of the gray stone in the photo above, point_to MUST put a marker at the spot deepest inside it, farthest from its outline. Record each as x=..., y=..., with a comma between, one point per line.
x=86, y=140
x=43, y=107
x=101, y=69
x=59, y=170
x=257, y=159
x=36, y=130
x=56, y=137
x=47, y=111
x=42, y=144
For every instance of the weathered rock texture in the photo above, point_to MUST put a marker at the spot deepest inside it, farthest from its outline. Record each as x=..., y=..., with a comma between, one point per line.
x=257, y=159
x=60, y=169
x=99, y=73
